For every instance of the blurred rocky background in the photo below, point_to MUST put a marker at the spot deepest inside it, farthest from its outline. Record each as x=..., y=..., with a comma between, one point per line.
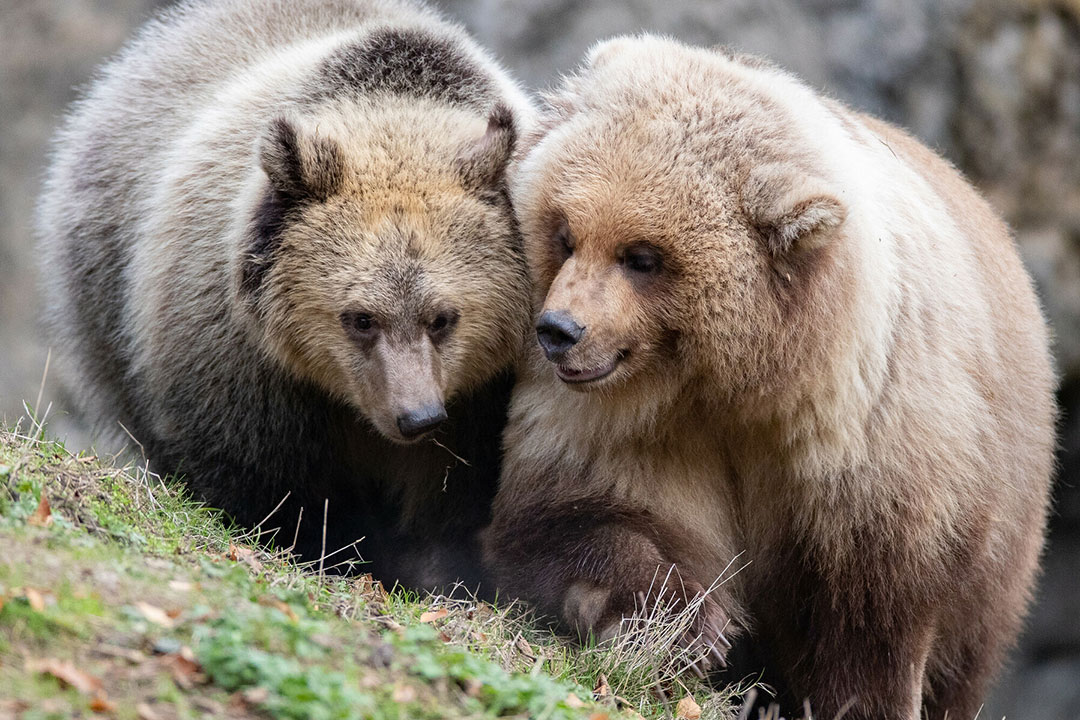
x=992, y=84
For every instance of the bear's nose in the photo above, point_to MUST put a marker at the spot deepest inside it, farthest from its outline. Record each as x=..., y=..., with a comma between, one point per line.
x=414, y=423
x=557, y=332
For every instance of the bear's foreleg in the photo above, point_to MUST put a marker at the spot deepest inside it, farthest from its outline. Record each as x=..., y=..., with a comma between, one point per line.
x=593, y=563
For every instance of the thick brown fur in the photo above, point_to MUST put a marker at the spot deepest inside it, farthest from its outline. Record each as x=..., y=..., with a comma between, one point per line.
x=811, y=342
x=275, y=231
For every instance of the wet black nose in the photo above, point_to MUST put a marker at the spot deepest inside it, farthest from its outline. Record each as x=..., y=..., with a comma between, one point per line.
x=557, y=333
x=414, y=423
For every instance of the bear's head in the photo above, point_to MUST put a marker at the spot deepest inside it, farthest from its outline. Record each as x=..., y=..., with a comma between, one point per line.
x=676, y=228
x=383, y=261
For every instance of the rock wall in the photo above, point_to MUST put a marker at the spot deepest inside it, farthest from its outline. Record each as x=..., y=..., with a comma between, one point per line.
x=992, y=84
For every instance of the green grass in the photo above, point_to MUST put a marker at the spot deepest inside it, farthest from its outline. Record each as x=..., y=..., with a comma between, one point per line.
x=162, y=610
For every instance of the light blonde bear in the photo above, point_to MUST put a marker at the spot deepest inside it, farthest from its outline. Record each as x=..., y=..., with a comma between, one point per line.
x=774, y=326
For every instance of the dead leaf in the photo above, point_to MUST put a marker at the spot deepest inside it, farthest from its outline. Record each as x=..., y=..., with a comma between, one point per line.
x=370, y=589
x=132, y=656
x=279, y=605
x=433, y=615
x=601, y=690
x=66, y=673
x=145, y=712
x=154, y=614
x=244, y=555
x=404, y=694
x=524, y=647
x=181, y=585
x=35, y=598
x=42, y=517
x=256, y=695
x=185, y=671
x=602, y=716
x=687, y=709
x=102, y=704
x=573, y=701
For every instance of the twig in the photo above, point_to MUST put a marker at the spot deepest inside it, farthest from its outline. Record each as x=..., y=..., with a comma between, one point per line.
x=133, y=439
x=41, y=387
x=271, y=513
x=322, y=553
x=457, y=457
x=296, y=533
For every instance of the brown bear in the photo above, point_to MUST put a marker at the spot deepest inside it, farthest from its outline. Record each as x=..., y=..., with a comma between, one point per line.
x=279, y=250
x=771, y=325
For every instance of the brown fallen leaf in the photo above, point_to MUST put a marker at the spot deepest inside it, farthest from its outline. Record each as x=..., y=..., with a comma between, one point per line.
x=185, y=670
x=42, y=517
x=256, y=695
x=35, y=597
x=102, y=704
x=687, y=709
x=370, y=589
x=244, y=555
x=602, y=716
x=433, y=615
x=145, y=712
x=154, y=614
x=67, y=674
x=279, y=605
x=601, y=690
x=573, y=701
x=132, y=656
x=524, y=647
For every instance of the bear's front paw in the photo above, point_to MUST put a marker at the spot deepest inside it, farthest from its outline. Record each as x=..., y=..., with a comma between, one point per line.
x=705, y=639
x=605, y=612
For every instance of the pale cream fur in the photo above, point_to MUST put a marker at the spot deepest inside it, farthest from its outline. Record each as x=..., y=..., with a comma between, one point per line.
x=904, y=397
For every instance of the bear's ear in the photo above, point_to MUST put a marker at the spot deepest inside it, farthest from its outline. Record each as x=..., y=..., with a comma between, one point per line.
x=300, y=167
x=792, y=213
x=482, y=164
x=604, y=51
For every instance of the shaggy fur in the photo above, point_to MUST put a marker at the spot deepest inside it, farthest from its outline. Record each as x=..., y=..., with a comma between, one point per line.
x=810, y=341
x=241, y=195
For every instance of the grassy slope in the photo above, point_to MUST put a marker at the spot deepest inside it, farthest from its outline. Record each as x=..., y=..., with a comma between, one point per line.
x=128, y=599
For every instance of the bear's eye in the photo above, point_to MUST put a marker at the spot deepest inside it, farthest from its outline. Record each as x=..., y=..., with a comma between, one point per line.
x=443, y=324
x=643, y=259
x=564, y=241
x=359, y=324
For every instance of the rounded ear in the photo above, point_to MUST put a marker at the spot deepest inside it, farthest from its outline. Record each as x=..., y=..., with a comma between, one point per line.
x=792, y=212
x=604, y=51
x=482, y=164
x=299, y=166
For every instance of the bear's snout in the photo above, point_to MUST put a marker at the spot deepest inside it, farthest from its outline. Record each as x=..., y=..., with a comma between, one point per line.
x=557, y=332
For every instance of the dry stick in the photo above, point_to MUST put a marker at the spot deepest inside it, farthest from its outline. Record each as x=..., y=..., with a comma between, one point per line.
x=296, y=534
x=327, y=556
x=271, y=513
x=133, y=439
x=41, y=388
x=322, y=553
x=456, y=456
